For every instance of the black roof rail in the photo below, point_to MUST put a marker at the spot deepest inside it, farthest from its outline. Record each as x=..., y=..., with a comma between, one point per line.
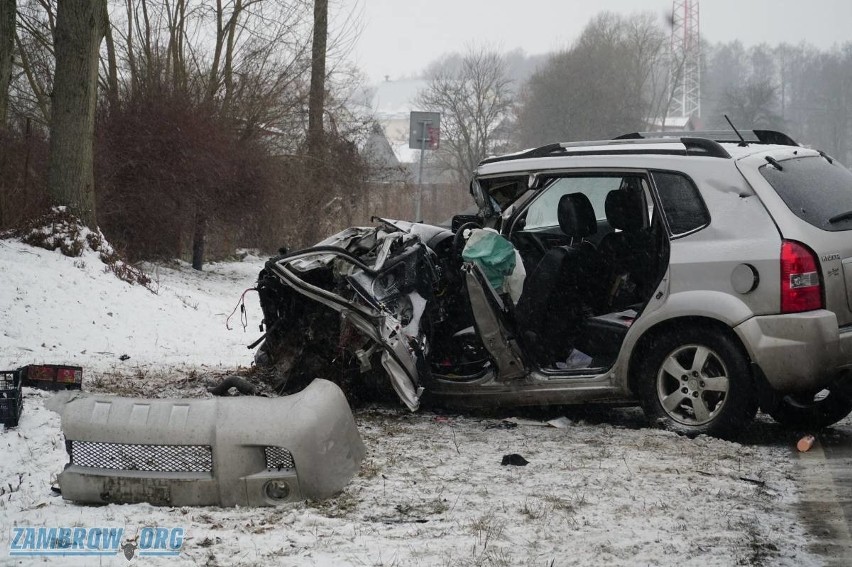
x=621, y=146
x=720, y=136
x=704, y=147
x=774, y=137
x=542, y=151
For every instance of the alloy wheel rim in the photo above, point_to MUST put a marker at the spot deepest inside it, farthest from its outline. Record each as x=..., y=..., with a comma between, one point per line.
x=692, y=385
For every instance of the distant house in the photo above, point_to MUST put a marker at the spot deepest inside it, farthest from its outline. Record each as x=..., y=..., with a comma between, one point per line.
x=380, y=155
x=391, y=102
x=676, y=124
x=396, y=167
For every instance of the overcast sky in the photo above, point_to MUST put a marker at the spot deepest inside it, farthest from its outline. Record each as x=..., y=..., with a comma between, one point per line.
x=400, y=37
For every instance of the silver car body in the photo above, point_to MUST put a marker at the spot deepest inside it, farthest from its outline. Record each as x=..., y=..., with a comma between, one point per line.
x=724, y=273
x=796, y=352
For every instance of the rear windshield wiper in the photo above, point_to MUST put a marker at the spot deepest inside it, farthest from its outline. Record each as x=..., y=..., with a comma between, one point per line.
x=840, y=217
x=774, y=163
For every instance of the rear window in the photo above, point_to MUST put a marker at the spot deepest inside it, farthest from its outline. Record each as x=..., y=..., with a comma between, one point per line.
x=818, y=192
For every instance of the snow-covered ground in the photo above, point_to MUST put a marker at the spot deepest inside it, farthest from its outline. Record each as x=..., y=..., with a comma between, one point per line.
x=605, y=490
x=61, y=310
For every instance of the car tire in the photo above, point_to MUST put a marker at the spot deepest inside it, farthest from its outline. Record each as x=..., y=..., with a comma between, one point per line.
x=697, y=382
x=820, y=411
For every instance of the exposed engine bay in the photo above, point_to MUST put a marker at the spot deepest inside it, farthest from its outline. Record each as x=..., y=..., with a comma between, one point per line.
x=386, y=299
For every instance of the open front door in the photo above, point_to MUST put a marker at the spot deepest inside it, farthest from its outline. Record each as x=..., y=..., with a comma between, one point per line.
x=487, y=314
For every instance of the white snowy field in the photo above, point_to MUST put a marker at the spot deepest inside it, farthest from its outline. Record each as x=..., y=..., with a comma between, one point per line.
x=56, y=309
x=605, y=490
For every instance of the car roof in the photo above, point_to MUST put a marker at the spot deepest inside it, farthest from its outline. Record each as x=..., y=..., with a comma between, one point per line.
x=659, y=147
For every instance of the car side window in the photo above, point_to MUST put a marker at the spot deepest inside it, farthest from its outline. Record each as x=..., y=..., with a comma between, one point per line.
x=542, y=212
x=681, y=202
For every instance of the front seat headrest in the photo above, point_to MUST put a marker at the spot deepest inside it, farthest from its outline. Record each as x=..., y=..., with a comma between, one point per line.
x=576, y=216
x=625, y=209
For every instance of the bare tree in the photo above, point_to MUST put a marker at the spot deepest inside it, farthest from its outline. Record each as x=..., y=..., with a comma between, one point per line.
x=664, y=83
x=204, y=121
x=243, y=61
x=34, y=55
x=662, y=68
x=725, y=69
x=600, y=87
x=805, y=91
x=474, y=96
x=79, y=30
x=753, y=105
x=7, y=48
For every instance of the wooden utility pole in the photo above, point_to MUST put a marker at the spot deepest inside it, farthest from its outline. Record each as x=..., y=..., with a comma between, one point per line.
x=79, y=30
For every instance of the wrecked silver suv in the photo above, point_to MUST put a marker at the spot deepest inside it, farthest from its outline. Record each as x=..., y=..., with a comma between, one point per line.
x=699, y=275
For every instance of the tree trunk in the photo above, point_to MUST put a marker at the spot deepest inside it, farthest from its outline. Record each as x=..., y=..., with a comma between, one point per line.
x=198, y=237
x=316, y=100
x=112, y=64
x=131, y=57
x=315, y=187
x=228, y=71
x=79, y=30
x=7, y=48
x=213, y=78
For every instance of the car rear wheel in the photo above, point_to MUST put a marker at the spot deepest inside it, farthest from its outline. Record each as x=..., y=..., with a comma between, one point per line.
x=697, y=381
x=823, y=409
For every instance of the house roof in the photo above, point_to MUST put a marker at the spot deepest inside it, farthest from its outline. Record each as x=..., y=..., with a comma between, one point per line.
x=395, y=99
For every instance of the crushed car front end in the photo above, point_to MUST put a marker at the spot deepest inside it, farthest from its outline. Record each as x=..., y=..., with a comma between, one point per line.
x=367, y=307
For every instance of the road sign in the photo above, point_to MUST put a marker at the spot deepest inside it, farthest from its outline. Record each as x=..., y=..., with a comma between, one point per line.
x=425, y=131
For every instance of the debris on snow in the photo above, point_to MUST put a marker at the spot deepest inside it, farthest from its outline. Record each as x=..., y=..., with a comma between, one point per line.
x=805, y=443
x=515, y=460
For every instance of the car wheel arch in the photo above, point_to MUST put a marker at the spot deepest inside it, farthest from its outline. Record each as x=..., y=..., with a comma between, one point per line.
x=674, y=325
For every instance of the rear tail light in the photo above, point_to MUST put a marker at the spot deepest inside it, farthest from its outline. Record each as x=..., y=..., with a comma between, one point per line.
x=801, y=289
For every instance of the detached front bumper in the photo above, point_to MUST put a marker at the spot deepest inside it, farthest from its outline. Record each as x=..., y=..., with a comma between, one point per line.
x=241, y=451
x=799, y=352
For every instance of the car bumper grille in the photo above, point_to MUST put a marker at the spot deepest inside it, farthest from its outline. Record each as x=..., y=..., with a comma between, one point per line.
x=278, y=458
x=158, y=458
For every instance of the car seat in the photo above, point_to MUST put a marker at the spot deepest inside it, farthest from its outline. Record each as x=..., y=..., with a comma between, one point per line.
x=629, y=253
x=553, y=305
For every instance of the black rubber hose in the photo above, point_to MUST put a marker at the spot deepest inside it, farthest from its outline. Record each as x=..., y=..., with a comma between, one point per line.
x=242, y=385
x=266, y=334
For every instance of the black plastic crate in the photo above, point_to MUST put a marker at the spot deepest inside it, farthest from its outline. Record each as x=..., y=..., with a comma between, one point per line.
x=11, y=400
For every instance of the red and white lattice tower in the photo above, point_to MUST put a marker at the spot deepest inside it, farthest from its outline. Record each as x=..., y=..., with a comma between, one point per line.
x=686, y=59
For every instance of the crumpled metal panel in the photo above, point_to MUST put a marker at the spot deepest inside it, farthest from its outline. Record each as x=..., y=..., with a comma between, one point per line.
x=314, y=429
x=381, y=327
